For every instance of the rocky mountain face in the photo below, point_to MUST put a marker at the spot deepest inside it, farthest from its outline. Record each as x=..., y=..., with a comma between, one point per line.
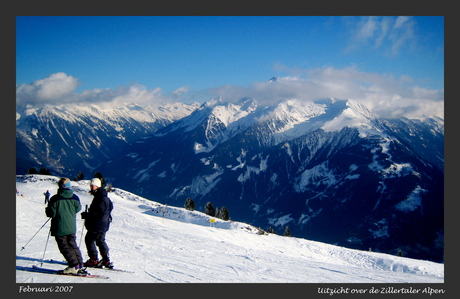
x=329, y=170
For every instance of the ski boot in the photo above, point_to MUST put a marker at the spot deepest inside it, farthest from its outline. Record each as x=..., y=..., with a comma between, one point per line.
x=77, y=270
x=70, y=270
x=105, y=262
x=91, y=263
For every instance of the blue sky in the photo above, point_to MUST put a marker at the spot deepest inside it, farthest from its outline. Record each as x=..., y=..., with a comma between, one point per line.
x=380, y=61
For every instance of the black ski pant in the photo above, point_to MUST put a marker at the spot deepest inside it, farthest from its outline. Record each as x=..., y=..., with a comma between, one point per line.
x=94, y=238
x=69, y=249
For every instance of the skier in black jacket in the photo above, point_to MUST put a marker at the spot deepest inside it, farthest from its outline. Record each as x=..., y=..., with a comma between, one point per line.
x=97, y=222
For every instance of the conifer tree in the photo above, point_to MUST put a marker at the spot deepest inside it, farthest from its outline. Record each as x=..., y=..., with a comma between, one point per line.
x=270, y=230
x=109, y=187
x=287, y=232
x=80, y=176
x=189, y=204
x=209, y=209
x=224, y=214
x=44, y=170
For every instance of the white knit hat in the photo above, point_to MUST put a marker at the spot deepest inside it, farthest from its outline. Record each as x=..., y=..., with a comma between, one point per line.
x=96, y=182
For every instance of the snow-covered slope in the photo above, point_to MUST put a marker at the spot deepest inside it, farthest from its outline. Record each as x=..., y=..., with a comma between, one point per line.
x=183, y=247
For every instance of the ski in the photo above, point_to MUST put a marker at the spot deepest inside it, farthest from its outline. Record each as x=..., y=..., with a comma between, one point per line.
x=59, y=272
x=56, y=262
x=102, y=268
x=112, y=269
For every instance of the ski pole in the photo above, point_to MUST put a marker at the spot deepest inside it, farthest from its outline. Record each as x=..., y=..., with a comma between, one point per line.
x=46, y=245
x=23, y=247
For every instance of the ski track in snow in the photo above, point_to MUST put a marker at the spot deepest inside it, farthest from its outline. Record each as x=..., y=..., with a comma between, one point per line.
x=183, y=248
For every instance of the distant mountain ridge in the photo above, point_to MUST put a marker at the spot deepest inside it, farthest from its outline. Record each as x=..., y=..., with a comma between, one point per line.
x=71, y=138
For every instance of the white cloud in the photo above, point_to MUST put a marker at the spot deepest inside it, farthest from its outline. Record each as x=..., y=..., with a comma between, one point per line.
x=59, y=88
x=180, y=91
x=402, y=33
x=389, y=33
x=137, y=94
x=368, y=28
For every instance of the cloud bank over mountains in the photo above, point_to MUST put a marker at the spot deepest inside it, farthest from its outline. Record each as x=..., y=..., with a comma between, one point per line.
x=384, y=95
x=59, y=88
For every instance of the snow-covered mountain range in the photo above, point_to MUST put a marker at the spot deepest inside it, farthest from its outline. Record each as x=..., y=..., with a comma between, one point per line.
x=186, y=247
x=70, y=138
x=329, y=169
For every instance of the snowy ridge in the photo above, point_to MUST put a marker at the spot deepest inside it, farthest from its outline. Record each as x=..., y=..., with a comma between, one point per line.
x=221, y=120
x=74, y=113
x=354, y=115
x=184, y=247
x=282, y=121
x=76, y=137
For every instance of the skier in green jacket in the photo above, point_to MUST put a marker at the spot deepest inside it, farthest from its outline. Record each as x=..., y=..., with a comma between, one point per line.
x=62, y=208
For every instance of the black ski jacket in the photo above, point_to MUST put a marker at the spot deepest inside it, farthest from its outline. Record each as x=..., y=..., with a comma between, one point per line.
x=99, y=215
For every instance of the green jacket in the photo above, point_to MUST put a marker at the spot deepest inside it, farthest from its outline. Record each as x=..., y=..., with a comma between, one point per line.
x=63, y=208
